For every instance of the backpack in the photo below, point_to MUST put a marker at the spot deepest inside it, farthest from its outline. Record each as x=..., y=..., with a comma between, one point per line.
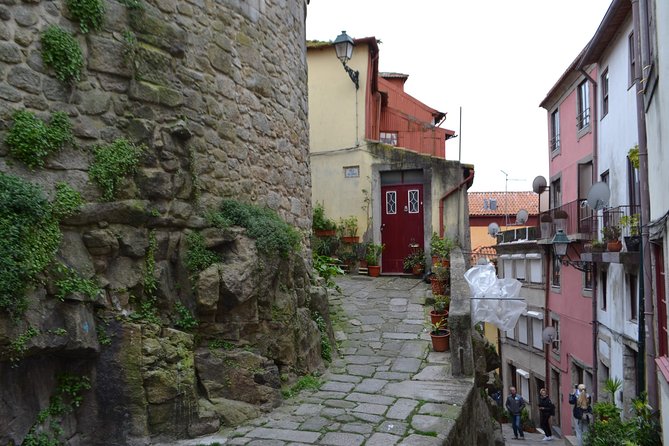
x=578, y=412
x=572, y=398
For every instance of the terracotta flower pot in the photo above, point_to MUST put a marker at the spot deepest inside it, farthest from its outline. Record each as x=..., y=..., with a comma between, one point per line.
x=350, y=239
x=438, y=286
x=440, y=340
x=326, y=232
x=614, y=246
x=436, y=317
x=374, y=270
x=417, y=270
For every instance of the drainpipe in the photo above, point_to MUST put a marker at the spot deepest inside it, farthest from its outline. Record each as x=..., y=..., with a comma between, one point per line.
x=469, y=178
x=648, y=313
x=595, y=322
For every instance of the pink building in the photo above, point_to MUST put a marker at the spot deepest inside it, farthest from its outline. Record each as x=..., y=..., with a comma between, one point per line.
x=569, y=295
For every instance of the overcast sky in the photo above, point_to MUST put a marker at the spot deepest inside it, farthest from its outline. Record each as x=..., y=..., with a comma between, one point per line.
x=497, y=59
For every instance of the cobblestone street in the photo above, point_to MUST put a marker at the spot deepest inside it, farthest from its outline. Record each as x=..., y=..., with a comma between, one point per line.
x=387, y=387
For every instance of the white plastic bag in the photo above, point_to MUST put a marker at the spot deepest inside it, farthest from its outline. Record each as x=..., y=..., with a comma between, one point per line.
x=494, y=300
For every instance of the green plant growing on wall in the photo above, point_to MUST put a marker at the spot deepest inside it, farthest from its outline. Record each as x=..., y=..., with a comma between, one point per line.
x=633, y=155
x=89, y=13
x=326, y=347
x=47, y=430
x=198, y=256
x=31, y=141
x=272, y=235
x=70, y=282
x=18, y=346
x=67, y=201
x=112, y=163
x=150, y=281
x=327, y=268
x=29, y=237
x=132, y=4
x=61, y=51
x=186, y=320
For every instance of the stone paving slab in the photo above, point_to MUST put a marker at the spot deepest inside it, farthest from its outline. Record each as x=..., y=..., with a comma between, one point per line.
x=386, y=388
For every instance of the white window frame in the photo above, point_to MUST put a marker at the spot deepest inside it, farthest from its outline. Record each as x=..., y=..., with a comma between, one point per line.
x=522, y=330
x=519, y=266
x=535, y=261
x=507, y=266
x=412, y=210
x=392, y=193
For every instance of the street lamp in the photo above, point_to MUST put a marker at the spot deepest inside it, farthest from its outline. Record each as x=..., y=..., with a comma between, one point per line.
x=344, y=48
x=560, y=244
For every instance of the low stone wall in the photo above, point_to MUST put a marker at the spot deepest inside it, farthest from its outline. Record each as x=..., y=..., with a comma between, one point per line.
x=459, y=319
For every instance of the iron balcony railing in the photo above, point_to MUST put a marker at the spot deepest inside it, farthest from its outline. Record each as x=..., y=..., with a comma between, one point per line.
x=583, y=119
x=573, y=218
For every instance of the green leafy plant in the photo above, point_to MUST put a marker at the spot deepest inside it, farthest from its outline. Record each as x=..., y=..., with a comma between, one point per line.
x=305, y=382
x=320, y=221
x=631, y=223
x=70, y=282
x=441, y=247
x=61, y=51
x=147, y=311
x=326, y=347
x=47, y=430
x=441, y=302
x=219, y=343
x=103, y=336
x=348, y=226
x=67, y=201
x=415, y=259
x=611, y=233
x=29, y=238
x=89, y=13
x=327, y=268
x=441, y=271
x=198, y=256
x=112, y=163
x=373, y=251
x=132, y=4
x=150, y=281
x=18, y=346
x=186, y=320
x=272, y=235
x=633, y=155
x=31, y=141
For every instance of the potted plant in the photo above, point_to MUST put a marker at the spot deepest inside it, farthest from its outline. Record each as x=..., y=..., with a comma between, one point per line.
x=372, y=257
x=349, y=229
x=526, y=422
x=439, y=333
x=439, y=308
x=611, y=236
x=415, y=262
x=633, y=155
x=631, y=224
x=439, y=279
x=546, y=224
x=323, y=226
x=598, y=246
x=560, y=219
x=440, y=248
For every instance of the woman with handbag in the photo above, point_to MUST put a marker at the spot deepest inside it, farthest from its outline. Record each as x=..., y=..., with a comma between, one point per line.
x=546, y=411
x=582, y=412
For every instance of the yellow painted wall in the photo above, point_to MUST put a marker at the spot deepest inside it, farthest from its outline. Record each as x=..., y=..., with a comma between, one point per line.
x=337, y=129
x=336, y=108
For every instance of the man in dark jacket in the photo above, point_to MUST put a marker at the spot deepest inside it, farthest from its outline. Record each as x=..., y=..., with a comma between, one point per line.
x=515, y=404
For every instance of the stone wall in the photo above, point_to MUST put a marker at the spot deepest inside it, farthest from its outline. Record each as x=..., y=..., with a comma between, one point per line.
x=216, y=91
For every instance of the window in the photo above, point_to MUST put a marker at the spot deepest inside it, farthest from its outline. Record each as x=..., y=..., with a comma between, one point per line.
x=555, y=277
x=632, y=59
x=633, y=186
x=605, y=177
x=583, y=116
x=556, y=194
x=634, y=296
x=519, y=263
x=604, y=82
x=534, y=259
x=555, y=347
x=511, y=334
x=587, y=280
x=537, y=331
x=391, y=202
x=555, y=131
x=522, y=330
x=523, y=384
x=389, y=138
x=414, y=201
x=604, y=298
x=507, y=266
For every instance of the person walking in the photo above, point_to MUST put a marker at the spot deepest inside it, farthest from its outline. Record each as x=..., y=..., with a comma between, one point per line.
x=515, y=405
x=546, y=411
x=582, y=412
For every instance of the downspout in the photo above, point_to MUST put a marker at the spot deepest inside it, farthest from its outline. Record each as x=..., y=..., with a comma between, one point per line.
x=469, y=178
x=595, y=322
x=548, y=347
x=648, y=312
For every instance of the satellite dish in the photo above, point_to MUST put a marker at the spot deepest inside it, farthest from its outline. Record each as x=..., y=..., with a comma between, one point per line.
x=539, y=184
x=548, y=335
x=598, y=196
x=493, y=229
x=522, y=216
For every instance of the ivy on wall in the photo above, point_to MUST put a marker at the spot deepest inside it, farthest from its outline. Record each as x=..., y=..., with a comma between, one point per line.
x=89, y=13
x=61, y=51
x=112, y=163
x=31, y=141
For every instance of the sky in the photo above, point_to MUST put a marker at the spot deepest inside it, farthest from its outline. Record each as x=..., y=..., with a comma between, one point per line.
x=493, y=59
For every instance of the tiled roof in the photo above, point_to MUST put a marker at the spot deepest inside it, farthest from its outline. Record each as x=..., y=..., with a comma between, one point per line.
x=481, y=203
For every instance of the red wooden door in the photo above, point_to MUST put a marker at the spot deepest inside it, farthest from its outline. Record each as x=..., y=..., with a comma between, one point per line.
x=662, y=333
x=401, y=223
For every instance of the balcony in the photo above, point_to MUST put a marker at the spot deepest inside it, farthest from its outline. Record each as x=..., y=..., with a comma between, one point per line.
x=578, y=224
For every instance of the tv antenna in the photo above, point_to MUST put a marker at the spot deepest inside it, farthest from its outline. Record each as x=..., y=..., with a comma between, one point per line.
x=506, y=195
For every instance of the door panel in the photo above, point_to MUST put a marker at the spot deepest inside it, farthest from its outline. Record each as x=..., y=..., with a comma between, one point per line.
x=401, y=223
